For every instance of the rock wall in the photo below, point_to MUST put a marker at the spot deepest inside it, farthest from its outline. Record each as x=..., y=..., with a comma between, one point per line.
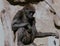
x=44, y=20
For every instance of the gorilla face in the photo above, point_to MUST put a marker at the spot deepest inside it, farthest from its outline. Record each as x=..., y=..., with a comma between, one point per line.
x=29, y=11
x=30, y=14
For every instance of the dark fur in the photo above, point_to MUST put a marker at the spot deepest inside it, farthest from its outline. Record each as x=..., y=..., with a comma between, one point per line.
x=23, y=3
x=24, y=18
x=24, y=24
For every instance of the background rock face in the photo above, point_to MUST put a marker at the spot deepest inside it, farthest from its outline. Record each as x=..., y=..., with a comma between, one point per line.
x=44, y=20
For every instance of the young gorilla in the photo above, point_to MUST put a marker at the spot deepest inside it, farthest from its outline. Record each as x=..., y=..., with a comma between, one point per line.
x=24, y=24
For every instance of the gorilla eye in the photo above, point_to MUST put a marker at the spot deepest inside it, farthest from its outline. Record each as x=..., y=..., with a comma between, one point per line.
x=32, y=12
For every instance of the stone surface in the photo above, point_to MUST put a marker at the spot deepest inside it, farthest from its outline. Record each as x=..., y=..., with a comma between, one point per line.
x=44, y=20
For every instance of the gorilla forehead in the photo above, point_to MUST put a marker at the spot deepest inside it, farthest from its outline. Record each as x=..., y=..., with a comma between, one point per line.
x=29, y=7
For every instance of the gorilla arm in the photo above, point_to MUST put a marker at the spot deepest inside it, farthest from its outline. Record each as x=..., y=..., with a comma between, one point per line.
x=46, y=34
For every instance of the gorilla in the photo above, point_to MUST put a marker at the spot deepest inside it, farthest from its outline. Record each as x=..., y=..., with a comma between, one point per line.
x=23, y=24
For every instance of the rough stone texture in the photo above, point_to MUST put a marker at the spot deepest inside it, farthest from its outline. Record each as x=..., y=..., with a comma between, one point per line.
x=44, y=20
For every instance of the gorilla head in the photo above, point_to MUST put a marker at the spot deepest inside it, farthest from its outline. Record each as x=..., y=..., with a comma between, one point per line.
x=29, y=10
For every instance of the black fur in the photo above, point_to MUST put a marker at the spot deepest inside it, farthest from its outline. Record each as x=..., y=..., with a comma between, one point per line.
x=23, y=3
x=24, y=24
